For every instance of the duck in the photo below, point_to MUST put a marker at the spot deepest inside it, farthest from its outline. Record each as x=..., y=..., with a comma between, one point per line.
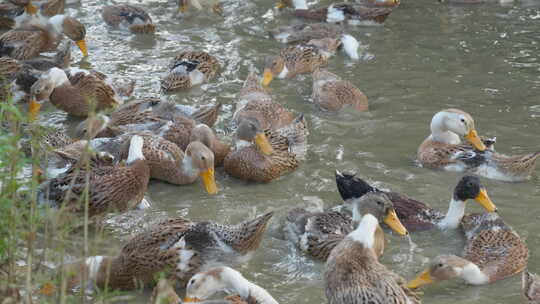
x=353, y=273
x=189, y=69
x=257, y=103
x=51, y=8
x=215, y=5
x=531, y=287
x=205, y=284
x=72, y=91
x=416, y=215
x=331, y=93
x=306, y=57
x=304, y=32
x=264, y=155
x=443, y=149
x=177, y=246
x=317, y=233
x=110, y=187
x=33, y=38
x=493, y=251
x=12, y=11
x=132, y=17
x=351, y=13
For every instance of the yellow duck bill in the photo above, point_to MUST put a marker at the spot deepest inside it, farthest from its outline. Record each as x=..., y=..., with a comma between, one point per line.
x=394, y=223
x=190, y=300
x=82, y=46
x=422, y=279
x=475, y=140
x=209, y=181
x=268, y=76
x=263, y=144
x=33, y=109
x=483, y=199
x=31, y=9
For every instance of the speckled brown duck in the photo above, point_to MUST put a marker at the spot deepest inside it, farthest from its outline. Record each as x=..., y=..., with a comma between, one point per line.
x=111, y=187
x=531, y=287
x=12, y=10
x=264, y=155
x=443, y=149
x=353, y=273
x=254, y=101
x=167, y=162
x=189, y=69
x=299, y=59
x=78, y=92
x=493, y=251
x=331, y=93
x=205, y=284
x=351, y=13
x=416, y=215
x=178, y=247
x=317, y=233
x=131, y=17
x=31, y=39
x=304, y=32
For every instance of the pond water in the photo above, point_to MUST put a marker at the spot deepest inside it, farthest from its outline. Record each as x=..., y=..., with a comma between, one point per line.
x=484, y=59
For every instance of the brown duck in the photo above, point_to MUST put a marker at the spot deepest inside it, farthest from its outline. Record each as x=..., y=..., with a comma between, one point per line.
x=299, y=59
x=132, y=17
x=75, y=92
x=264, y=155
x=331, y=93
x=493, y=251
x=317, y=233
x=178, y=247
x=189, y=69
x=354, y=274
x=256, y=102
x=111, y=188
x=31, y=39
x=13, y=10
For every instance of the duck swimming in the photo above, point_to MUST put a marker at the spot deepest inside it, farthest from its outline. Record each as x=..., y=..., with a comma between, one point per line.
x=353, y=274
x=317, y=233
x=418, y=216
x=189, y=69
x=132, y=17
x=493, y=251
x=331, y=93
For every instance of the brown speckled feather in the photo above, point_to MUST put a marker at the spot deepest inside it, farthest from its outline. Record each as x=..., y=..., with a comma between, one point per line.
x=303, y=58
x=136, y=18
x=304, y=32
x=179, y=78
x=255, y=101
x=493, y=246
x=52, y=8
x=351, y=12
x=27, y=42
x=332, y=94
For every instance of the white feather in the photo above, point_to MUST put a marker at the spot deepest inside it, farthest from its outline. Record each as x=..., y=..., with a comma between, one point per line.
x=473, y=275
x=93, y=264
x=350, y=45
x=57, y=77
x=300, y=4
x=334, y=15
x=365, y=233
x=135, y=149
x=56, y=22
x=283, y=72
x=196, y=77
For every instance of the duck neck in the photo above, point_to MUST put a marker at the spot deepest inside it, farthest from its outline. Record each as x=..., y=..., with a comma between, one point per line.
x=455, y=213
x=57, y=23
x=365, y=233
x=440, y=133
x=300, y=4
x=247, y=289
x=473, y=275
x=188, y=170
x=356, y=215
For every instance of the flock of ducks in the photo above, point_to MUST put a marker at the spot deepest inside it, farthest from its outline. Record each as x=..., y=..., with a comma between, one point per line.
x=120, y=148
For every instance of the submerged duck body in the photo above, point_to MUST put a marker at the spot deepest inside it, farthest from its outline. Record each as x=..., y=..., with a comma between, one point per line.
x=132, y=17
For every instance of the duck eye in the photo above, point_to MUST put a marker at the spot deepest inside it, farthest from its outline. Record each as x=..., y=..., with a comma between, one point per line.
x=192, y=282
x=379, y=203
x=440, y=265
x=203, y=158
x=463, y=120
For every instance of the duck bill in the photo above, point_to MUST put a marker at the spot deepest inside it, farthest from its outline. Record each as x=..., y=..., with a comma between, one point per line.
x=281, y=5
x=394, y=223
x=33, y=109
x=31, y=9
x=483, y=199
x=191, y=300
x=475, y=140
x=209, y=181
x=183, y=8
x=423, y=279
x=268, y=76
x=82, y=46
x=263, y=144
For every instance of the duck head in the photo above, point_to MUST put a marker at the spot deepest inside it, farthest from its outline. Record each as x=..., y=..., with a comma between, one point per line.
x=92, y=127
x=72, y=28
x=469, y=187
x=199, y=158
x=381, y=207
x=204, y=134
x=42, y=89
x=447, y=267
x=205, y=284
x=249, y=131
x=446, y=124
x=274, y=67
